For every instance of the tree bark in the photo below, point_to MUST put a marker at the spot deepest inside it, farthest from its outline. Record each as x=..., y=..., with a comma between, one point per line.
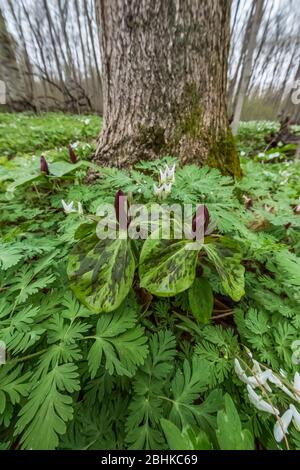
x=164, y=75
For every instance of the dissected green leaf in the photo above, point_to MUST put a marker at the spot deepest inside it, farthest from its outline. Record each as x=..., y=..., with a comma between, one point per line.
x=119, y=344
x=49, y=406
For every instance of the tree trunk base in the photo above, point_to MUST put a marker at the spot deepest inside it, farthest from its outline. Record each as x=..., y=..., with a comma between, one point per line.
x=153, y=143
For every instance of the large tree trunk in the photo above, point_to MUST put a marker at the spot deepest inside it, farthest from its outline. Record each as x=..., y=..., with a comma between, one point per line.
x=164, y=69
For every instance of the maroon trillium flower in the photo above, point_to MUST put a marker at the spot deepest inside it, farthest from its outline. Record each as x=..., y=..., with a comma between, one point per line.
x=44, y=165
x=72, y=154
x=201, y=219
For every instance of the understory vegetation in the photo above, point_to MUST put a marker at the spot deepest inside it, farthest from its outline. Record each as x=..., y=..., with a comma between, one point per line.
x=209, y=362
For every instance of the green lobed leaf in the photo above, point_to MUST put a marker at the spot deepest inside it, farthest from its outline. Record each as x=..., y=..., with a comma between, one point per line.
x=119, y=344
x=101, y=272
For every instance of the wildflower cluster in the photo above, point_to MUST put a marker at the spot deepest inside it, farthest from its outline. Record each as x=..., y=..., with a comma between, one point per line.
x=263, y=379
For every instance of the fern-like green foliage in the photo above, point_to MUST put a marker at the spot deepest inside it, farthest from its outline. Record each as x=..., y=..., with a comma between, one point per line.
x=74, y=379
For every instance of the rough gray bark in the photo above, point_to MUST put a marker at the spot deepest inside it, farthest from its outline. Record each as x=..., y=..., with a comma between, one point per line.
x=164, y=75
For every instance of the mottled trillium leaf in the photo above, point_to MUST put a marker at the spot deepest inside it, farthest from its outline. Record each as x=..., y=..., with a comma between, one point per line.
x=201, y=299
x=226, y=258
x=101, y=272
x=167, y=267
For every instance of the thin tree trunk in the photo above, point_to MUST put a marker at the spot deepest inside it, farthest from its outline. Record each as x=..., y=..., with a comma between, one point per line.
x=164, y=68
x=77, y=9
x=247, y=69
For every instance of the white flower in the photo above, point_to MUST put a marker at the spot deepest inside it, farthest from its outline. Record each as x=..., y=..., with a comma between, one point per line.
x=68, y=208
x=263, y=377
x=167, y=188
x=296, y=417
x=259, y=403
x=171, y=172
x=163, y=176
x=276, y=381
x=281, y=426
x=239, y=370
x=297, y=382
x=157, y=190
x=242, y=153
x=80, y=209
x=260, y=378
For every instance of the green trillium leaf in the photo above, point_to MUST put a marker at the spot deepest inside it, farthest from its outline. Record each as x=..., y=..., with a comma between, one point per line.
x=167, y=267
x=101, y=272
x=201, y=299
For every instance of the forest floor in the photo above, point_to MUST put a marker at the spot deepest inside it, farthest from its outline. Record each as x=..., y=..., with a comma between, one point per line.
x=74, y=379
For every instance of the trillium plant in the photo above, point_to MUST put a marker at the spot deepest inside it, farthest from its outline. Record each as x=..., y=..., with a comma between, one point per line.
x=103, y=269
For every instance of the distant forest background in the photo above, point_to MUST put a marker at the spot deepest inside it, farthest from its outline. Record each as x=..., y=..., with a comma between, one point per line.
x=50, y=57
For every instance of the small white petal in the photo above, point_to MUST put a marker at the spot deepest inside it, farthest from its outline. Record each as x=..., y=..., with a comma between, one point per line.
x=256, y=367
x=171, y=171
x=240, y=371
x=80, y=209
x=276, y=381
x=68, y=208
x=281, y=426
x=157, y=190
x=297, y=382
x=167, y=188
x=296, y=417
x=163, y=176
x=259, y=403
x=263, y=377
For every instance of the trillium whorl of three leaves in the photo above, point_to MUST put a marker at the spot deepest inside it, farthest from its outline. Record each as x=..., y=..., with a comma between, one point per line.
x=101, y=272
x=167, y=267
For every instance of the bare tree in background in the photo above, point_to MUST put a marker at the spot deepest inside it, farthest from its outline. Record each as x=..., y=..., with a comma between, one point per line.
x=275, y=57
x=253, y=27
x=53, y=41
x=9, y=70
x=58, y=65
